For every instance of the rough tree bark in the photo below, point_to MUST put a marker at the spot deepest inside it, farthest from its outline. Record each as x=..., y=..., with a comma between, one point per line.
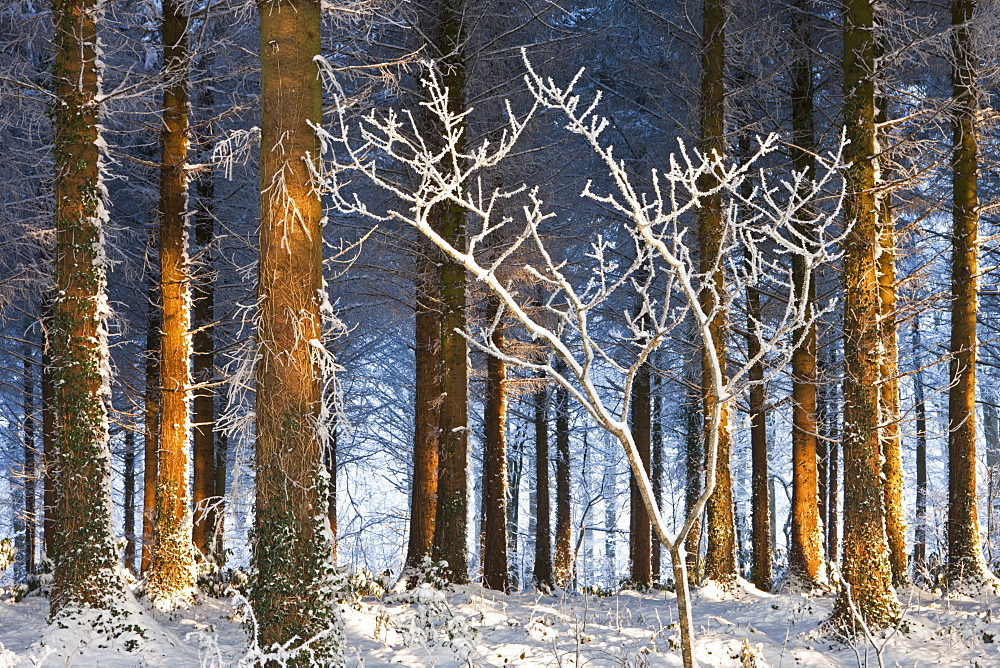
x=292, y=551
x=85, y=557
x=427, y=393
x=207, y=531
x=966, y=565
x=891, y=436
x=865, y=562
x=451, y=521
x=805, y=553
x=171, y=579
x=151, y=426
x=720, y=555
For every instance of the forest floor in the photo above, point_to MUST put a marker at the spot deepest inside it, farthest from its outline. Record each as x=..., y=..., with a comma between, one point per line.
x=472, y=626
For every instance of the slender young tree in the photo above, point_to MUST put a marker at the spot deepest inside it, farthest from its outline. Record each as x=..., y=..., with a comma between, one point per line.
x=865, y=569
x=966, y=565
x=85, y=558
x=291, y=593
x=171, y=578
x=494, y=511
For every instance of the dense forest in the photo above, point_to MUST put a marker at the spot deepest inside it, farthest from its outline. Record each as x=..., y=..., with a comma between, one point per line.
x=311, y=303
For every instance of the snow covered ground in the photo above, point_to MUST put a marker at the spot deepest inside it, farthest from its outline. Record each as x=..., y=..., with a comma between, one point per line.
x=479, y=627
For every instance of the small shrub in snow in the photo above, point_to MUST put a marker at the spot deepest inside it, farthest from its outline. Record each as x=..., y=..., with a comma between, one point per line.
x=7, y=554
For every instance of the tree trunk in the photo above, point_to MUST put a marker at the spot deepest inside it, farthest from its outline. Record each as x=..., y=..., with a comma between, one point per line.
x=564, y=554
x=543, y=575
x=206, y=534
x=761, y=573
x=892, y=446
x=171, y=579
x=292, y=588
x=48, y=448
x=657, y=475
x=693, y=461
x=219, y=526
x=965, y=558
x=129, y=493
x=515, y=467
x=833, y=479
x=448, y=220
x=805, y=554
x=427, y=395
x=330, y=462
x=720, y=557
x=494, y=512
x=920, y=520
x=85, y=559
x=30, y=468
x=640, y=545
x=151, y=427
x=865, y=562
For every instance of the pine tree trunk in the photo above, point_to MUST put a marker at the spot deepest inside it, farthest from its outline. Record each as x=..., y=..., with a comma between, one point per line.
x=129, y=493
x=805, y=553
x=657, y=475
x=292, y=553
x=892, y=445
x=427, y=393
x=965, y=557
x=865, y=559
x=640, y=545
x=151, y=428
x=330, y=461
x=720, y=556
x=48, y=449
x=515, y=466
x=448, y=220
x=494, y=511
x=564, y=557
x=30, y=468
x=85, y=559
x=833, y=479
x=693, y=472
x=920, y=409
x=206, y=534
x=542, y=573
x=171, y=579
x=761, y=573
